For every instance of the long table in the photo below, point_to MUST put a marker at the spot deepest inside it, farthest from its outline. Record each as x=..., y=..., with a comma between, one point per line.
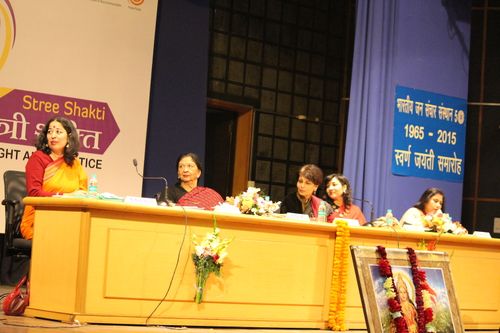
x=98, y=261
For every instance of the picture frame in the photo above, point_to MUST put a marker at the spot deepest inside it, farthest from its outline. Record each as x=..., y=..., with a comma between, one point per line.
x=446, y=314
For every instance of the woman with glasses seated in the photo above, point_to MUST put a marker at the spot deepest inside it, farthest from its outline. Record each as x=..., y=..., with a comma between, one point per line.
x=54, y=167
x=186, y=191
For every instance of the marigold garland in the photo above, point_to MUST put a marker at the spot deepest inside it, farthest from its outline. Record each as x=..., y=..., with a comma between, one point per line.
x=336, y=316
x=422, y=295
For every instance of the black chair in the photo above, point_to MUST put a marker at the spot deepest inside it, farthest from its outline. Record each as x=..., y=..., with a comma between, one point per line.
x=17, y=250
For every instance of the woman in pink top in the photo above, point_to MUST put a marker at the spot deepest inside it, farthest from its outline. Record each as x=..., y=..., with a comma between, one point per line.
x=340, y=196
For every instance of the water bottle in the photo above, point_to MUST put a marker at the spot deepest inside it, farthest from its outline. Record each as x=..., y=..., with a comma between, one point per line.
x=322, y=212
x=93, y=185
x=389, y=218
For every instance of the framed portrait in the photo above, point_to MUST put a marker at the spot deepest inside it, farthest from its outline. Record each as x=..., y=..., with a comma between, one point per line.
x=446, y=316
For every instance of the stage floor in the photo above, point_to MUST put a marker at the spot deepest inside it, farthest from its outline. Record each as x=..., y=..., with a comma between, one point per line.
x=10, y=324
x=31, y=325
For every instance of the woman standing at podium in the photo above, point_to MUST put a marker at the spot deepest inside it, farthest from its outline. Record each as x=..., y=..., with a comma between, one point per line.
x=54, y=167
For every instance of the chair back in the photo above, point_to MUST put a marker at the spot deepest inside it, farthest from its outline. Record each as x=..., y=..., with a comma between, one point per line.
x=15, y=191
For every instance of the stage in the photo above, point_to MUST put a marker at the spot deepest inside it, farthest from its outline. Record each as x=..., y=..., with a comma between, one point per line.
x=105, y=262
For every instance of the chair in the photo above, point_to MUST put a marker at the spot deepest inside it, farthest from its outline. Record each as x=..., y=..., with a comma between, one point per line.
x=17, y=250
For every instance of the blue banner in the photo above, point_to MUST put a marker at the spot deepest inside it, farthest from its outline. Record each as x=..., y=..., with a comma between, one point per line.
x=429, y=135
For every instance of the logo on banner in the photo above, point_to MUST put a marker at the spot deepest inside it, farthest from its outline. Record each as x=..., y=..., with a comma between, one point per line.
x=24, y=113
x=7, y=29
x=136, y=2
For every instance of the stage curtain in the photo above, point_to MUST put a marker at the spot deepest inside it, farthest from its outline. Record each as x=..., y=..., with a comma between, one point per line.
x=369, y=130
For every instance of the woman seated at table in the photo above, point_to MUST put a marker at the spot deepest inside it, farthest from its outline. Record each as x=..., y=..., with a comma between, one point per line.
x=186, y=191
x=303, y=201
x=431, y=202
x=339, y=194
x=53, y=168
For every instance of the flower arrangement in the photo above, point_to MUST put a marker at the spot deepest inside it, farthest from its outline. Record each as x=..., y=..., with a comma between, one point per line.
x=250, y=201
x=442, y=223
x=208, y=258
x=336, y=316
x=422, y=293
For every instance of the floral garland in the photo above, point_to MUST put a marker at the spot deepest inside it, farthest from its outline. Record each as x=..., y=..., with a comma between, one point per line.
x=424, y=311
x=336, y=316
x=391, y=292
x=422, y=295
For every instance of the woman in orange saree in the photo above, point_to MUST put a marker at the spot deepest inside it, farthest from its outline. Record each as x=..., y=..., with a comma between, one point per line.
x=54, y=167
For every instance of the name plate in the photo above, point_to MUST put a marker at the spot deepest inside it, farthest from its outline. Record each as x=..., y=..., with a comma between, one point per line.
x=141, y=201
x=295, y=216
x=482, y=234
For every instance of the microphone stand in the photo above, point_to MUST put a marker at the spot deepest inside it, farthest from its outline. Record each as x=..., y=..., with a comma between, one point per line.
x=162, y=199
x=163, y=195
x=372, y=212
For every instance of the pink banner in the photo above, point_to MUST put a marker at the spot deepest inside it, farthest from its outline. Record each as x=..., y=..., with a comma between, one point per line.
x=24, y=113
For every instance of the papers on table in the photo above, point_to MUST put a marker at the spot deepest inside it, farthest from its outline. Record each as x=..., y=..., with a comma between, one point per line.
x=83, y=194
x=140, y=200
x=295, y=216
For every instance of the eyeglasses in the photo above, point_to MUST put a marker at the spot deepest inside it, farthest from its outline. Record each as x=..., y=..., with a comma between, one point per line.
x=56, y=131
x=188, y=166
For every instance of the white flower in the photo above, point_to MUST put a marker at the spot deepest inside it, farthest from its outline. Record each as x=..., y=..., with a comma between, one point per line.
x=251, y=191
x=222, y=256
x=227, y=208
x=199, y=250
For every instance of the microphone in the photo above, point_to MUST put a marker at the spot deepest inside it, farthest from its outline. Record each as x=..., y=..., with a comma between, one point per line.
x=372, y=213
x=162, y=200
